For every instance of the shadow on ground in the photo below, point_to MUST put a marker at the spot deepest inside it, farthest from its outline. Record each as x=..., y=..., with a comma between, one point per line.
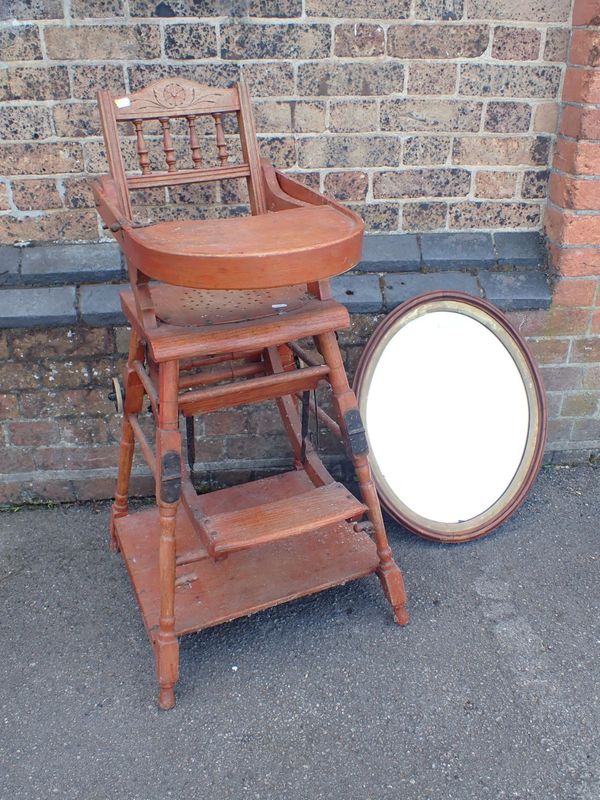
x=491, y=692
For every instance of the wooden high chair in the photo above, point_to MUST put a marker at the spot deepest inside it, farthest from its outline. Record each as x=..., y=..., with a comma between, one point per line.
x=216, y=309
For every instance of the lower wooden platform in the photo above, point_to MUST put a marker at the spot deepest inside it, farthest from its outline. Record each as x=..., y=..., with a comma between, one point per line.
x=210, y=592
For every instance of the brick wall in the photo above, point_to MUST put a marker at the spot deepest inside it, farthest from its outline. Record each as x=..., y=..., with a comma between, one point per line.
x=424, y=114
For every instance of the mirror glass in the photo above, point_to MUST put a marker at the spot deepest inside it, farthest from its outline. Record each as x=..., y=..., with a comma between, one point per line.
x=448, y=414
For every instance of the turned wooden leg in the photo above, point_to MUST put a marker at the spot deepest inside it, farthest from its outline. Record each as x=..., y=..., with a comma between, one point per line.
x=345, y=401
x=168, y=491
x=134, y=398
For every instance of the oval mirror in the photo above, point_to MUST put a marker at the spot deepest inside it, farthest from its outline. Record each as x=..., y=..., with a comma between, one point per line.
x=455, y=415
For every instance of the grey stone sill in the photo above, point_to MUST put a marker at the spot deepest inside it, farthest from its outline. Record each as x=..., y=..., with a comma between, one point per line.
x=98, y=304
x=94, y=262
x=80, y=283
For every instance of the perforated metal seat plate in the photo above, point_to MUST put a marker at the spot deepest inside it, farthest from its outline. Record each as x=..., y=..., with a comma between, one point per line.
x=177, y=305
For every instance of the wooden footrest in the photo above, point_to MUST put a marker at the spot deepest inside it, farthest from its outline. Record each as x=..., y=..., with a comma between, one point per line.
x=208, y=593
x=275, y=508
x=280, y=519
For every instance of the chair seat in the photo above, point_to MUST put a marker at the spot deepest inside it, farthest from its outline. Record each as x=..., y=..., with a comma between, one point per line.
x=282, y=248
x=196, y=322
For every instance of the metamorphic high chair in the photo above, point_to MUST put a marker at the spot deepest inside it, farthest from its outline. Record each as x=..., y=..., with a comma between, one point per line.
x=216, y=309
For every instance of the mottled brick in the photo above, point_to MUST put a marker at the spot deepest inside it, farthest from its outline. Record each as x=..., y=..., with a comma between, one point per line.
x=34, y=194
x=213, y=74
x=507, y=117
x=308, y=116
x=377, y=9
x=482, y=215
x=358, y=115
x=4, y=201
x=31, y=9
x=286, y=116
x=347, y=185
x=438, y=182
x=52, y=226
x=379, y=216
x=102, y=42
x=215, y=8
x=432, y=77
x=439, y=9
x=35, y=83
x=503, y=151
x=349, y=151
x=359, y=78
x=426, y=150
x=509, y=80
x=424, y=216
x=97, y=8
x=275, y=41
x=78, y=193
x=422, y=115
x=532, y=10
x=274, y=8
x=77, y=120
x=495, y=185
x=535, y=184
x=516, y=44
x=275, y=78
x=25, y=122
x=88, y=77
x=557, y=44
x=20, y=43
x=437, y=41
x=358, y=41
x=41, y=158
x=192, y=40
x=279, y=150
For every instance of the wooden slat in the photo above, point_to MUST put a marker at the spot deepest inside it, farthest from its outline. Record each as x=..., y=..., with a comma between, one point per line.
x=188, y=176
x=269, y=522
x=143, y=442
x=252, y=390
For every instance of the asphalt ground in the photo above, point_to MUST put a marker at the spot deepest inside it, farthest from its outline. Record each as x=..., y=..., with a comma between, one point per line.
x=490, y=692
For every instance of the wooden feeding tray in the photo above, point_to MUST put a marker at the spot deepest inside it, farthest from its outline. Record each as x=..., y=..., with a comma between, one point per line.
x=249, y=578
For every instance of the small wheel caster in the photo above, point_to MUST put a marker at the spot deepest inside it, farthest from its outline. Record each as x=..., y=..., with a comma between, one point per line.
x=117, y=395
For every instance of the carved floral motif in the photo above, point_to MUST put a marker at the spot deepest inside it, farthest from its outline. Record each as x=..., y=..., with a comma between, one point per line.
x=175, y=95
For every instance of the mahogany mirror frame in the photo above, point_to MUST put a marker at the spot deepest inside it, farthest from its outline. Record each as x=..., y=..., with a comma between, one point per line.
x=515, y=493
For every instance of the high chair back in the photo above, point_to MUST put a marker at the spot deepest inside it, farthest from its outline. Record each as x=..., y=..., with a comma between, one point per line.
x=177, y=100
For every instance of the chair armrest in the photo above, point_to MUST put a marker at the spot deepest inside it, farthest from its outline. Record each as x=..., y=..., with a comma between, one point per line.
x=107, y=204
x=284, y=192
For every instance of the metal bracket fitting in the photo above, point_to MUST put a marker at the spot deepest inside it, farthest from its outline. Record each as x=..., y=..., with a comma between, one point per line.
x=357, y=436
x=170, y=477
